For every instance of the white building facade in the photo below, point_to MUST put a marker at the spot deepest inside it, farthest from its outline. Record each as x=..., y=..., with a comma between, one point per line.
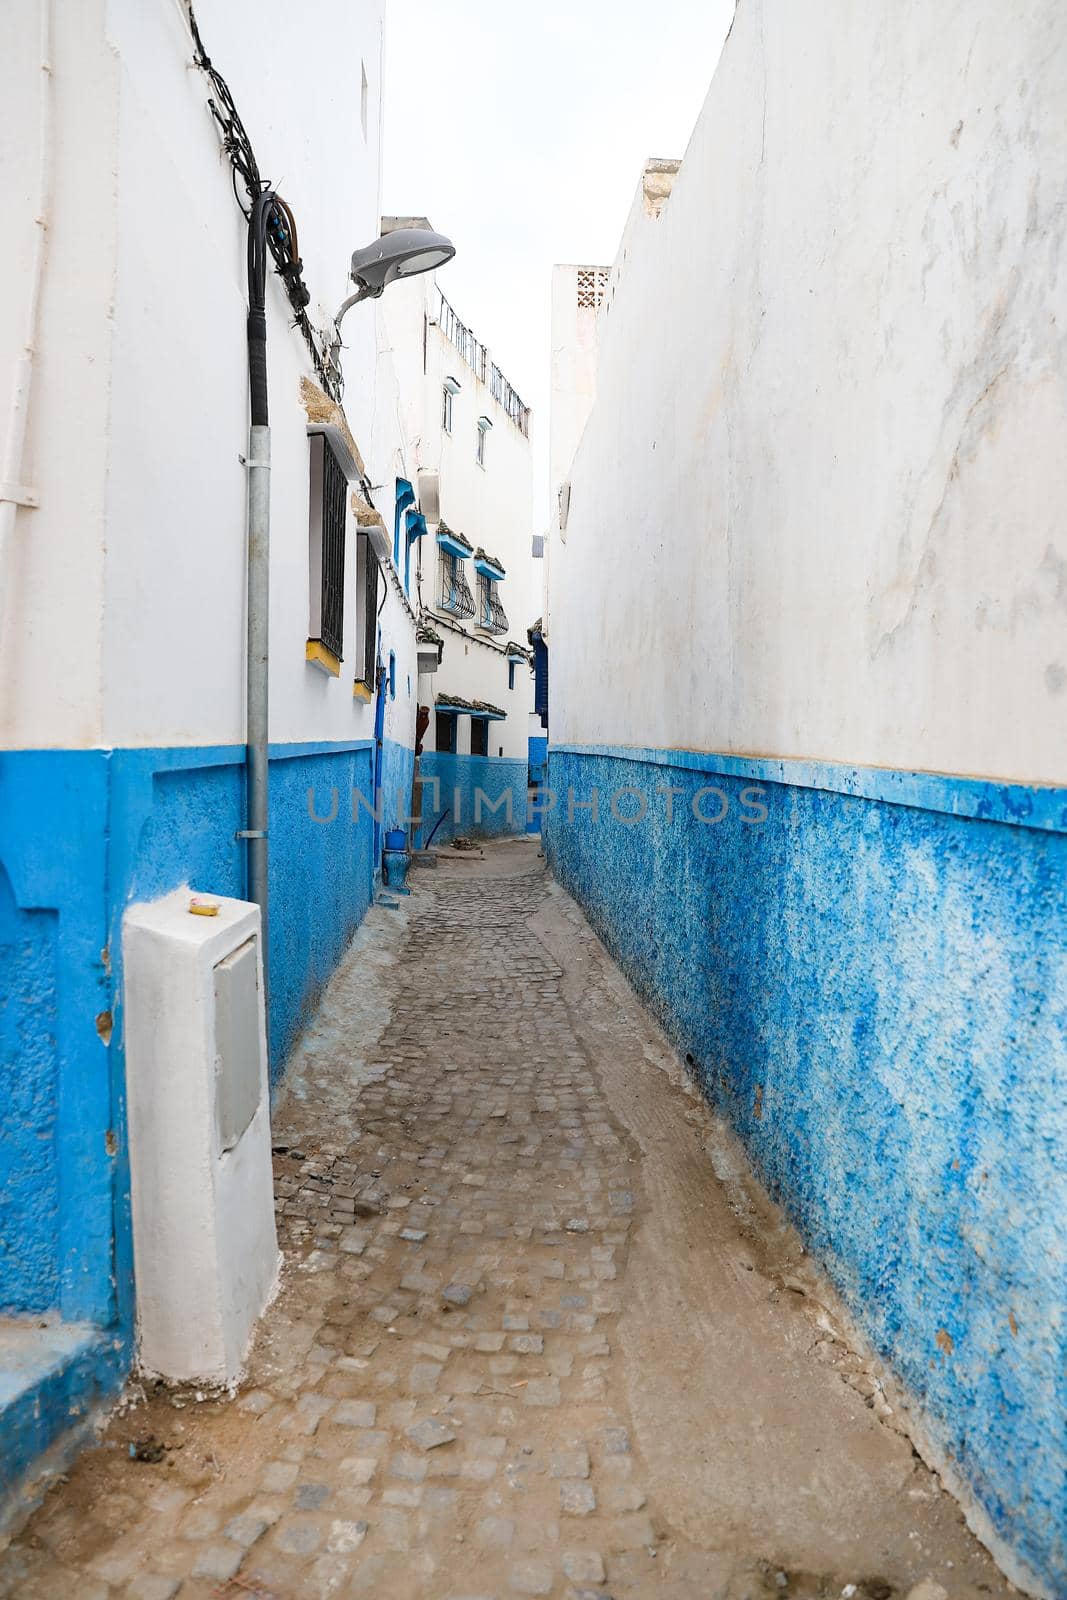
x=475, y=575
x=808, y=686
x=124, y=390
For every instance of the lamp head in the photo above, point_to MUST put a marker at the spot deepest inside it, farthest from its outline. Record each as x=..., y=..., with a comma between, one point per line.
x=401, y=254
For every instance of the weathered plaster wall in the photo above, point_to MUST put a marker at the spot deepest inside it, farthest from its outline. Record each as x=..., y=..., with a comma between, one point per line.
x=875, y=992
x=815, y=545
x=29, y=1177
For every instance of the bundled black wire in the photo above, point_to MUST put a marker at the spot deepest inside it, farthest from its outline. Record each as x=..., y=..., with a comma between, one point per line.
x=257, y=307
x=271, y=226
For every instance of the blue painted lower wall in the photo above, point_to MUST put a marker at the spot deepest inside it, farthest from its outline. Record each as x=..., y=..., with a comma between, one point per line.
x=478, y=797
x=82, y=834
x=869, y=972
x=398, y=771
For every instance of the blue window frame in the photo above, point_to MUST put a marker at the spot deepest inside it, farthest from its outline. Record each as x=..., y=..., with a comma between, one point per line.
x=405, y=496
x=392, y=674
x=415, y=524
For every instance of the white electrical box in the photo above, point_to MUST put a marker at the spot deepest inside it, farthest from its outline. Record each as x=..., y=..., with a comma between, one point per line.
x=205, y=1248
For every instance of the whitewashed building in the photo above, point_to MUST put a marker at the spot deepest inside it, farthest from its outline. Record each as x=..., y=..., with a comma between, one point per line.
x=124, y=422
x=475, y=571
x=808, y=689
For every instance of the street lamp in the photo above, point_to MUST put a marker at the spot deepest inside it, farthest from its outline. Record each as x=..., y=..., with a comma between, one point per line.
x=401, y=254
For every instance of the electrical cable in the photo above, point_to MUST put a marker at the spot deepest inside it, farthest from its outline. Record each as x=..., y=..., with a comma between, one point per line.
x=272, y=227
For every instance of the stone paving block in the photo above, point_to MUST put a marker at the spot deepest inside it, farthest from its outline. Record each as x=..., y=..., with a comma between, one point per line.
x=481, y=1445
x=408, y=1495
x=298, y=1535
x=311, y=1496
x=245, y=1530
x=583, y=1566
x=429, y=1434
x=355, y=1414
x=396, y=1528
x=218, y=1562
x=369, y=1441
x=531, y=1577
x=569, y=1463
x=405, y=1465
x=526, y=1344
x=576, y=1498
x=424, y=1376
x=495, y=1533
x=199, y=1523
x=457, y=1294
x=542, y=1392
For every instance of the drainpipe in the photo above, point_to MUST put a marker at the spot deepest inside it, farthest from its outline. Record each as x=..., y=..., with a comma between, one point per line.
x=257, y=729
x=13, y=492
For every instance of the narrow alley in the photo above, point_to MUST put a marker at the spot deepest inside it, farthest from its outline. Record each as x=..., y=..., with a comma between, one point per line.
x=538, y=1333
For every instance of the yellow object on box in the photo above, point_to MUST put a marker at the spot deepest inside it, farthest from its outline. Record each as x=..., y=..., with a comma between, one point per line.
x=204, y=908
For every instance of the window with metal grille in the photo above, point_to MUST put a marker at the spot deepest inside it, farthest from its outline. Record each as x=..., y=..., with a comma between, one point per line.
x=479, y=736
x=453, y=594
x=446, y=411
x=326, y=541
x=491, y=614
x=366, y=614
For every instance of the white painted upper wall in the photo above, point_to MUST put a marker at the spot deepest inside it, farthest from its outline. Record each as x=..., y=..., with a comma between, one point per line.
x=124, y=615
x=576, y=292
x=817, y=510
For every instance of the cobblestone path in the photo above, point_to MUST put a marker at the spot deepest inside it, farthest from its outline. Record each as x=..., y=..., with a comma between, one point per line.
x=441, y=1402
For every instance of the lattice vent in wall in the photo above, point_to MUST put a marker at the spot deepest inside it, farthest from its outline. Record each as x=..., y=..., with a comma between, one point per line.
x=592, y=282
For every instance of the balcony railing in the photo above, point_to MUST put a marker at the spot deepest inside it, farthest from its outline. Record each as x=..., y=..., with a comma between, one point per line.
x=504, y=394
x=476, y=356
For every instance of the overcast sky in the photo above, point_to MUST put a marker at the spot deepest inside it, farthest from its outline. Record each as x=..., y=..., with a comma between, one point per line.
x=520, y=131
